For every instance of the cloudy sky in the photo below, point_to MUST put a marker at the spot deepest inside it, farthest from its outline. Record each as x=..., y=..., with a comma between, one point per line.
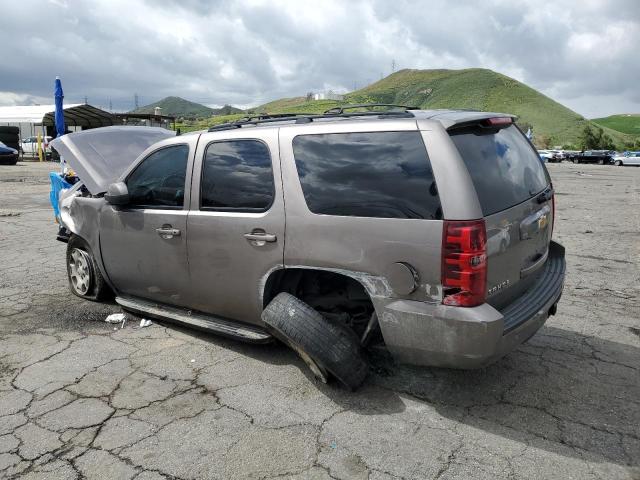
x=584, y=54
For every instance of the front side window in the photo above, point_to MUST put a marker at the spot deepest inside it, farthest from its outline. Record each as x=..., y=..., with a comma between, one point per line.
x=237, y=175
x=371, y=174
x=159, y=181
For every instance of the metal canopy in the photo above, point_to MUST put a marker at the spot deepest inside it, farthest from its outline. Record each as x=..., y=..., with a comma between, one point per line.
x=78, y=115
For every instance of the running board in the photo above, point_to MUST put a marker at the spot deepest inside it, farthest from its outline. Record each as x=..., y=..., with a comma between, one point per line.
x=207, y=323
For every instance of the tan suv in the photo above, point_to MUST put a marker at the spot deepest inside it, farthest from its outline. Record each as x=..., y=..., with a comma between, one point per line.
x=428, y=232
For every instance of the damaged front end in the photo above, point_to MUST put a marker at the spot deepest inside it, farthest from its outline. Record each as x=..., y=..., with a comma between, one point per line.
x=97, y=157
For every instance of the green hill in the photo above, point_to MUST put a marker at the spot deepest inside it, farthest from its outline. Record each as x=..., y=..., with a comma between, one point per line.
x=474, y=88
x=227, y=110
x=628, y=123
x=179, y=107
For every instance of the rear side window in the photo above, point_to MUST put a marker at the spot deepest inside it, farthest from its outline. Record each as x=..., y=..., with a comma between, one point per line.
x=236, y=175
x=504, y=168
x=373, y=174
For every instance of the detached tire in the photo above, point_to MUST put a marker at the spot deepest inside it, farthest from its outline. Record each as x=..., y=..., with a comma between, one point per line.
x=85, y=279
x=331, y=346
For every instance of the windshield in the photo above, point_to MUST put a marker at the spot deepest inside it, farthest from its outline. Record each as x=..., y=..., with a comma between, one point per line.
x=505, y=169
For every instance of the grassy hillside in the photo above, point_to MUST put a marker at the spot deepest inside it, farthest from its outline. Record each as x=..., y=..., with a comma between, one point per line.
x=475, y=88
x=178, y=107
x=205, y=123
x=628, y=123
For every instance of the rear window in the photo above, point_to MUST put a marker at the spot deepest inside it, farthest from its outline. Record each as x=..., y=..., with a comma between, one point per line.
x=237, y=175
x=504, y=168
x=371, y=174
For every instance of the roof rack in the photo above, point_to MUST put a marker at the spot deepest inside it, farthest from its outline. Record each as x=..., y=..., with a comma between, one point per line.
x=399, y=111
x=341, y=109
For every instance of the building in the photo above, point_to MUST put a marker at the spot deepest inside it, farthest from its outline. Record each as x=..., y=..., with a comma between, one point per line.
x=328, y=96
x=146, y=120
x=39, y=119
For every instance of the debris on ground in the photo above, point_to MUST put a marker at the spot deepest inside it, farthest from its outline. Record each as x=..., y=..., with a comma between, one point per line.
x=144, y=323
x=116, y=318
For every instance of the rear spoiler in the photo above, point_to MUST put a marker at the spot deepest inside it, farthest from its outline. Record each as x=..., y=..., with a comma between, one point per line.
x=454, y=120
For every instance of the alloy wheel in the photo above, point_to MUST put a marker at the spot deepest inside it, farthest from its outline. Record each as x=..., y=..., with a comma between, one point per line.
x=80, y=271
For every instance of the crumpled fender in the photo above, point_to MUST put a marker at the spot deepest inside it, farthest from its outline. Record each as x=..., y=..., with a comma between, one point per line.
x=81, y=216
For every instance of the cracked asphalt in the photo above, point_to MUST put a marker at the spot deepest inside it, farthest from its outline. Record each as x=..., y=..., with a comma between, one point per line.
x=80, y=398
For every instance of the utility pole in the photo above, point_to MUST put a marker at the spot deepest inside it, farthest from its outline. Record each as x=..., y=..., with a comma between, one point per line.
x=393, y=65
x=135, y=100
x=110, y=106
x=85, y=100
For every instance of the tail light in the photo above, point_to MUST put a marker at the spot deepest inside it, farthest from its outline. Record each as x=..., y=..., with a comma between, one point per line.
x=464, y=263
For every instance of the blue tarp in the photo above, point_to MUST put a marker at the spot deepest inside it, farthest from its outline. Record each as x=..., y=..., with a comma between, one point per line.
x=57, y=183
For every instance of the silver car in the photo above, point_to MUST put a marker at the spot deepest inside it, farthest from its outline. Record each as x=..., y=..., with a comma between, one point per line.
x=627, y=158
x=425, y=232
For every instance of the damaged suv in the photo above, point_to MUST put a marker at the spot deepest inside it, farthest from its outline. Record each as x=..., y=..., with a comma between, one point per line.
x=426, y=232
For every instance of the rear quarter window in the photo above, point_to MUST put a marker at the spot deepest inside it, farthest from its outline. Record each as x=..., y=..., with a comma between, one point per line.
x=504, y=168
x=372, y=174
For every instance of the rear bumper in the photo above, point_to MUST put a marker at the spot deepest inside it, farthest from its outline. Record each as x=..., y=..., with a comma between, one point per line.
x=439, y=335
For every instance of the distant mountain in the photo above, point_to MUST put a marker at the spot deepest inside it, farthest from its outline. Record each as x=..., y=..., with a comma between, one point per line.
x=179, y=107
x=227, y=110
x=474, y=88
x=628, y=123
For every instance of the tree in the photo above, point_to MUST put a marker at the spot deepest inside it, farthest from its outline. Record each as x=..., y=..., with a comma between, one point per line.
x=596, y=139
x=588, y=139
x=543, y=141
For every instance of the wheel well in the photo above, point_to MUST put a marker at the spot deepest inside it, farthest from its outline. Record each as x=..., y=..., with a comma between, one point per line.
x=333, y=294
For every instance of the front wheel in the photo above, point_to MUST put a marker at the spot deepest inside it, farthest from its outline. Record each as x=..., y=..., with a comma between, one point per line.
x=326, y=346
x=85, y=279
x=618, y=163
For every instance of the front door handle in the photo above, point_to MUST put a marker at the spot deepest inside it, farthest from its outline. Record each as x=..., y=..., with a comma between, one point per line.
x=167, y=231
x=259, y=238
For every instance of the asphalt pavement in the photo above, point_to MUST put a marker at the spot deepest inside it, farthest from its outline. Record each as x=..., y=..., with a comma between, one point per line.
x=80, y=398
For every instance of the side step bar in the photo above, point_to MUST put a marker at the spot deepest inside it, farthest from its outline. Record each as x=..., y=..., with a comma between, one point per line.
x=207, y=323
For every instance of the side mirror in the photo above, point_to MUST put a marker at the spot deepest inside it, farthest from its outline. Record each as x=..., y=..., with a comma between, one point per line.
x=117, y=194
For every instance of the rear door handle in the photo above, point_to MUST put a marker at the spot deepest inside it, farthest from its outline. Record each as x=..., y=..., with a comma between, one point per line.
x=260, y=237
x=167, y=231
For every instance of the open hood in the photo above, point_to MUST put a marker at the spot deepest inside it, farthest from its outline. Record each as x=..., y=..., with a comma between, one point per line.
x=99, y=156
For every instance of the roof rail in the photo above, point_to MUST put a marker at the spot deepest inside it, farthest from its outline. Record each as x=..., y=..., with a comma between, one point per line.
x=341, y=109
x=310, y=117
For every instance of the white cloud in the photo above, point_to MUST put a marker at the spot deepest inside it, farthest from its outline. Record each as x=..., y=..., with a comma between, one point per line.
x=248, y=52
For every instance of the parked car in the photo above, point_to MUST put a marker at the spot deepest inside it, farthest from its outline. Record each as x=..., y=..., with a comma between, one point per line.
x=29, y=146
x=627, y=158
x=387, y=217
x=552, y=156
x=10, y=137
x=545, y=155
x=601, y=157
x=8, y=156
